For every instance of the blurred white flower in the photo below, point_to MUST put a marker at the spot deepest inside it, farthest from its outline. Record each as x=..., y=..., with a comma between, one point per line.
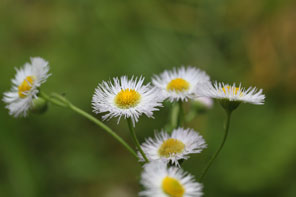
x=25, y=86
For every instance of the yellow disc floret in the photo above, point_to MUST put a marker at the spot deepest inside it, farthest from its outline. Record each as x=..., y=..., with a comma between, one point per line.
x=172, y=187
x=178, y=85
x=25, y=86
x=235, y=90
x=127, y=98
x=171, y=146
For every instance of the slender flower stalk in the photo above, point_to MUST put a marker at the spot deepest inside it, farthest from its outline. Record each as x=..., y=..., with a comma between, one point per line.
x=230, y=97
x=63, y=102
x=180, y=114
x=174, y=111
x=176, y=116
x=52, y=100
x=135, y=139
x=226, y=129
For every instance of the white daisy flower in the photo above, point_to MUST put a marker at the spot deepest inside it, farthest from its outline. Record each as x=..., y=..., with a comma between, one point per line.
x=173, y=147
x=232, y=93
x=160, y=181
x=25, y=86
x=127, y=98
x=180, y=84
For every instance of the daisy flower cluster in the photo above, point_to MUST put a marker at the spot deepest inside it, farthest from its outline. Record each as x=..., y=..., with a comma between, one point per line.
x=130, y=98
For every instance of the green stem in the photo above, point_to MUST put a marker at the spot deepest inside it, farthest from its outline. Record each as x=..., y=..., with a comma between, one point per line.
x=66, y=103
x=103, y=126
x=176, y=115
x=180, y=114
x=135, y=139
x=228, y=115
x=52, y=100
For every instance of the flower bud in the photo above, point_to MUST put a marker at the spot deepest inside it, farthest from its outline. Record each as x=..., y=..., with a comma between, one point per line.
x=39, y=105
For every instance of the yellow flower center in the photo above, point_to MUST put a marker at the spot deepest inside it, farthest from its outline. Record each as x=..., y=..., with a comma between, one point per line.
x=26, y=86
x=178, y=85
x=235, y=90
x=171, y=146
x=127, y=98
x=172, y=187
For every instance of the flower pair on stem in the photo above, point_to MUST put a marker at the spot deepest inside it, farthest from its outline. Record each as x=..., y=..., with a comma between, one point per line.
x=130, y=98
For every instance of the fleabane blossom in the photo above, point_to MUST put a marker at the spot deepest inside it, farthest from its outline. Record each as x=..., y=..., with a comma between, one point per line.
x=173, y=147
x=127, y=98
x=162, y=181
x=25, y=86
x=232, y=93
x=180, y=84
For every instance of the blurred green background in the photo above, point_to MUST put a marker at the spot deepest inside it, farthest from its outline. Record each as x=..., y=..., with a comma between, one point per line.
x=61, y=154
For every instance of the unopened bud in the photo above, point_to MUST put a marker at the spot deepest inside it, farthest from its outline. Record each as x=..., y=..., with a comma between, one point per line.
x=39, y=105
